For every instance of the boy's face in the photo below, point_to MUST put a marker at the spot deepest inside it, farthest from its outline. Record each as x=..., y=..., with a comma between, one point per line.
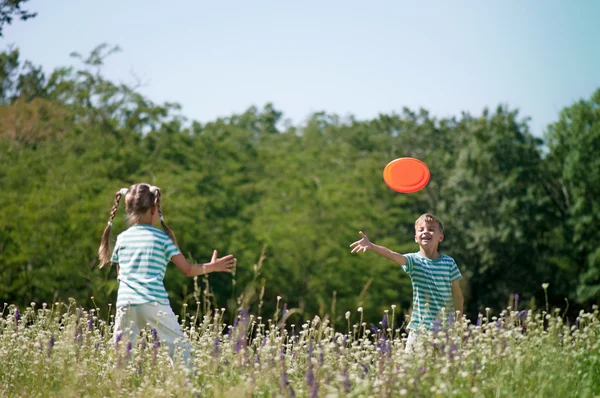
x=428, y=235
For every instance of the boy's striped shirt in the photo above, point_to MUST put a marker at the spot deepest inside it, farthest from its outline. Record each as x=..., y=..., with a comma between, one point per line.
x=432, y=285
x=142, y=252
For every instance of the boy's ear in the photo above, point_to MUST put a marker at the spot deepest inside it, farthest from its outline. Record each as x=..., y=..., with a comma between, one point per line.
x=441, y=238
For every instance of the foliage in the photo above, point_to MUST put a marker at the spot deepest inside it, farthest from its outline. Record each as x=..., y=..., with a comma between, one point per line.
x=10, y=9
x=288, y=200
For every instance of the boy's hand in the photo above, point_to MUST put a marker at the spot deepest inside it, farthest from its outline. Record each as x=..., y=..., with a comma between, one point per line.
x=361, y=245
x=223, y=264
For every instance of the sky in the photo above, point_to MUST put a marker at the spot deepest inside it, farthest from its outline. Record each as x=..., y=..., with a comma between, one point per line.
x=345, y=57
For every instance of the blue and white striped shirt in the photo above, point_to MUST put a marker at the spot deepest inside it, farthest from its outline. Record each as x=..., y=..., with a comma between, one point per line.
x=142, y=252
x=432, y=287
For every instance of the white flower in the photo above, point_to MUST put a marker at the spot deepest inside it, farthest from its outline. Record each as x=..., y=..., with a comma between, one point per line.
x=347, y=314
x=359, y=309
x=545, y=285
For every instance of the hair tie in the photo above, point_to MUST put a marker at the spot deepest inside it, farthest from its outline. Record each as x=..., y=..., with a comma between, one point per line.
x=161, y=218
x=153, y=188
x=124, y=191
x=110, y=223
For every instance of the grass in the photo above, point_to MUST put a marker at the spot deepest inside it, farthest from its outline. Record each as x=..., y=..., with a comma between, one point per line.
x=63, y=350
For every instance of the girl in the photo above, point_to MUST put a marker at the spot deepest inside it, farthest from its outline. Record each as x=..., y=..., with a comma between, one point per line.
x=141, y=255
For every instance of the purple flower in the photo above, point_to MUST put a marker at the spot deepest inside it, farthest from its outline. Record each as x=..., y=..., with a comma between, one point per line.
x=451, y=351
x=347, y=384
x=50, y=344
x=239, y=343
x=436, y=326
x=310, y=377
x=522, y=315
x=384, y=322
x=128, y=351
x=382, y=344
x=516, y=301
x=422, y=370
x=17, y=315
x=118, y=337
x=479, y=321
x=90, y=322
x=216, y=348
x=154, y=333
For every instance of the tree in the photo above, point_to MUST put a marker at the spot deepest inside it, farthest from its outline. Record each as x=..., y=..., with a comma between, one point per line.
x=574, y=145
x=10, y=9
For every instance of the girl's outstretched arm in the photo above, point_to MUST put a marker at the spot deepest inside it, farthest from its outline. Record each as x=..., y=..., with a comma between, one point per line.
x=223, y=264
x=364, y=244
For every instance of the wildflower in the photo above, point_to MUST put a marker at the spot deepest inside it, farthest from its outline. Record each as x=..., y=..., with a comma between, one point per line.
x=216, y=348
x=50, y=344
x=360, y=309
x=17, y=315
x=347, y=384
x=384, y=322
x=128, y=350
x=347, y=314
x=545, y=285
x=516, y=301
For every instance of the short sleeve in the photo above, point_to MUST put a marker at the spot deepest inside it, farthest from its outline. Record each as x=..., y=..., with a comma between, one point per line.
x=115, y=254
x=454, y=272
x=410, y=261
x=170, y=249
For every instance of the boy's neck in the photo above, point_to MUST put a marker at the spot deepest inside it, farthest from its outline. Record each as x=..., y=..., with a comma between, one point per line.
x=430, y=253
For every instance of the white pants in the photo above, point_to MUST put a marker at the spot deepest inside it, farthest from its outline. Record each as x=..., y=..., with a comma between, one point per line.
x=412, y=342
x=132, y=319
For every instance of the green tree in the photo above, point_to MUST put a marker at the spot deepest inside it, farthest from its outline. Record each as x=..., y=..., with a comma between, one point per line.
x=574, y=145
x=10, y=9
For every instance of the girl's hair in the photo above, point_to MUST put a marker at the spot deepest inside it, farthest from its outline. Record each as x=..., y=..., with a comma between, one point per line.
x=139, y=198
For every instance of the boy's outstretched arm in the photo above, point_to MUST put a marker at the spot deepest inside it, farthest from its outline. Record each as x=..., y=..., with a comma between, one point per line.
x=457, y=298
x=364, y=244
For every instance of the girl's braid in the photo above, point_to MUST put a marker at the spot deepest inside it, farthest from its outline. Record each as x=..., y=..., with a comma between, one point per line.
x=104, y=250
x=157, y=203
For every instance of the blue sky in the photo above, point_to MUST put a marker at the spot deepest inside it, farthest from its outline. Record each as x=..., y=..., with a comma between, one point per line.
x=345, y=57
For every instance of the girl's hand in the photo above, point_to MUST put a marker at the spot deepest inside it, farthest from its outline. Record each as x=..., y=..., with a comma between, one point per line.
x=361, y=245
x=223, y=264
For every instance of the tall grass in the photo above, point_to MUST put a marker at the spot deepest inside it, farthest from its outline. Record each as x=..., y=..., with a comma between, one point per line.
x=64, y=350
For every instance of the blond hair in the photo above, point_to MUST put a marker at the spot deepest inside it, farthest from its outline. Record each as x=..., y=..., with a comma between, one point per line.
x=139, y=198
x=430, y=219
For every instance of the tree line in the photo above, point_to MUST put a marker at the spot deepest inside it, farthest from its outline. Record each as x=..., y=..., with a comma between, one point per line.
x=287, y=200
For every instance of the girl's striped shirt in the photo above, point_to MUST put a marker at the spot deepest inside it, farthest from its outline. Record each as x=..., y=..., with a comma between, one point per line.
x=432, y=287
x=142, y=252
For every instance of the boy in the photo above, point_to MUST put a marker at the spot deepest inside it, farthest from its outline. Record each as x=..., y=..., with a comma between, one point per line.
x=434, y=276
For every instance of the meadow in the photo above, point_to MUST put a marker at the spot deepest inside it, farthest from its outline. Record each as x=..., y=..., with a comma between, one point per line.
x=64, y=350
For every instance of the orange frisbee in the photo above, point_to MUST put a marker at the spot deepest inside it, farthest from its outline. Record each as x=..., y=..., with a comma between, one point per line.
x=406, y=175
